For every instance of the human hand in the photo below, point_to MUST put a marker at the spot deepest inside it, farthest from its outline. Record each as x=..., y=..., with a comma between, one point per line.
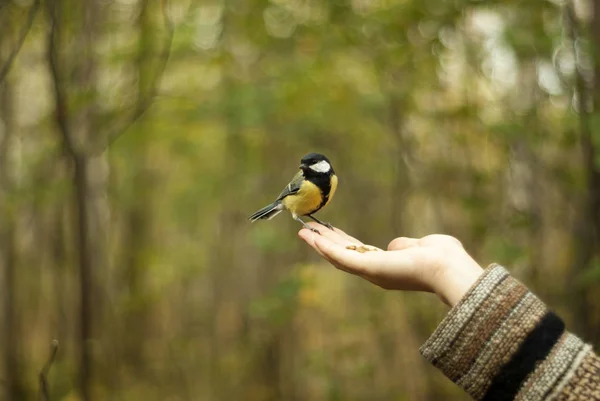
x=435, y=263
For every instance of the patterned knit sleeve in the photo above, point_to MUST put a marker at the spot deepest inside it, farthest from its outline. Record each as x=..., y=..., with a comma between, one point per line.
x=500, y=342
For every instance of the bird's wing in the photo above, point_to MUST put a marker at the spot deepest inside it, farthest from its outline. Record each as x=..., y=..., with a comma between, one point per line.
x=293, y=187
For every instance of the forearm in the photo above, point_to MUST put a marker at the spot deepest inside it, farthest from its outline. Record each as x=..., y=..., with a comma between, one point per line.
x=500, y=342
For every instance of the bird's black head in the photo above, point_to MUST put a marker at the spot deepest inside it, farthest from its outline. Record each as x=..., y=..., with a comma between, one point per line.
x=316, y=163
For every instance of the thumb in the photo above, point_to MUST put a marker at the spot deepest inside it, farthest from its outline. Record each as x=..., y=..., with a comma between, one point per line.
x=400, y=243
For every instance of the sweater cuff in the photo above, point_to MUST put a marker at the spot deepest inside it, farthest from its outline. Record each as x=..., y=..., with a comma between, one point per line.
x=501, y=342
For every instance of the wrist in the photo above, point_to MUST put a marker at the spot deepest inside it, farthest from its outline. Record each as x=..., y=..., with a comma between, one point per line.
x=456, y=278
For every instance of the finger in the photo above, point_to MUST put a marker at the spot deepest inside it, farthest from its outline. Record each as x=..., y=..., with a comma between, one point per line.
x=439, y=239
x=347, y=237
x=391, y=266
x=336, y=235
x=326, y=231
x=309, y=237
x=395, y=269
x=318, y=226
x=400, y=243
x=343, y=258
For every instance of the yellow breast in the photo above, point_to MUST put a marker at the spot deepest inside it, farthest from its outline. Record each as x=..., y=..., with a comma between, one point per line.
x=308, y=199
x=305, y=201
x=334, y=182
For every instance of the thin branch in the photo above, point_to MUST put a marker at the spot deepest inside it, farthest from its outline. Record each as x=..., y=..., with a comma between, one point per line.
x=144, y=103
x=60, y=98
x=43, y=375
x=24, y=31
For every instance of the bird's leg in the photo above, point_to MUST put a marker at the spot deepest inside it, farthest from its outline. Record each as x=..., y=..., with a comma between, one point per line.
x=299, y=220
x=328, y=225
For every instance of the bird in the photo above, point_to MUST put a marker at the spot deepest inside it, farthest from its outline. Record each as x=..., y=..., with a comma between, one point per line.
x=311, y=189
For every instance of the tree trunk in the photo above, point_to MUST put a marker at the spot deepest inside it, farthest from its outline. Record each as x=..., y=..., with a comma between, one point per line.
x=591, y=153
x=139, y=216
x=401, y=183
x=76, y=124
x=15, y=389
x=592, y=144
x=587, y=225
x=80, y=183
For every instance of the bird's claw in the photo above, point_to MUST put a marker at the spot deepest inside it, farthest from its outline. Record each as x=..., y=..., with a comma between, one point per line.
x=323, y=223
x=314, y=230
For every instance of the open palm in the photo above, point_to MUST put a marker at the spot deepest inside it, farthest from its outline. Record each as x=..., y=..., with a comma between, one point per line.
x=435, y=263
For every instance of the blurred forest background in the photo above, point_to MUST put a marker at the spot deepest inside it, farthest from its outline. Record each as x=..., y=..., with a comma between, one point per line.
x=136, y=136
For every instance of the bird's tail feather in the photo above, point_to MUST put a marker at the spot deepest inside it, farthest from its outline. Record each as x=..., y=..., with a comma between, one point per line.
x=267, y=212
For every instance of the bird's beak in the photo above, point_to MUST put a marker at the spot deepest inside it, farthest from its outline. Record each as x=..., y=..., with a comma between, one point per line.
x=302, y=166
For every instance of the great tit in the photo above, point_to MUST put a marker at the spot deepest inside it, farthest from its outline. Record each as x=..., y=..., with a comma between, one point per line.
x=311, y=189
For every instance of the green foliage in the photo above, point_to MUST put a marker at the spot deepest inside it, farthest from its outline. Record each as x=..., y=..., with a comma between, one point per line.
x=452, y=116
x=591, y=276
x=278, y=307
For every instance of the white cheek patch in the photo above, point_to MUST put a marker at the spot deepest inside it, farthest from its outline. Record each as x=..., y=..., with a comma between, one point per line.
x=321, y=167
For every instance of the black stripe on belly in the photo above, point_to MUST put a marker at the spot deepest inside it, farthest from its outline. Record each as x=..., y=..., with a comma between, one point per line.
x=323, y=182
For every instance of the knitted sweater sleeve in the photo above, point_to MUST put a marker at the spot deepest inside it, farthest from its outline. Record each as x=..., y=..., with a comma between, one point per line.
x=500, y=342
